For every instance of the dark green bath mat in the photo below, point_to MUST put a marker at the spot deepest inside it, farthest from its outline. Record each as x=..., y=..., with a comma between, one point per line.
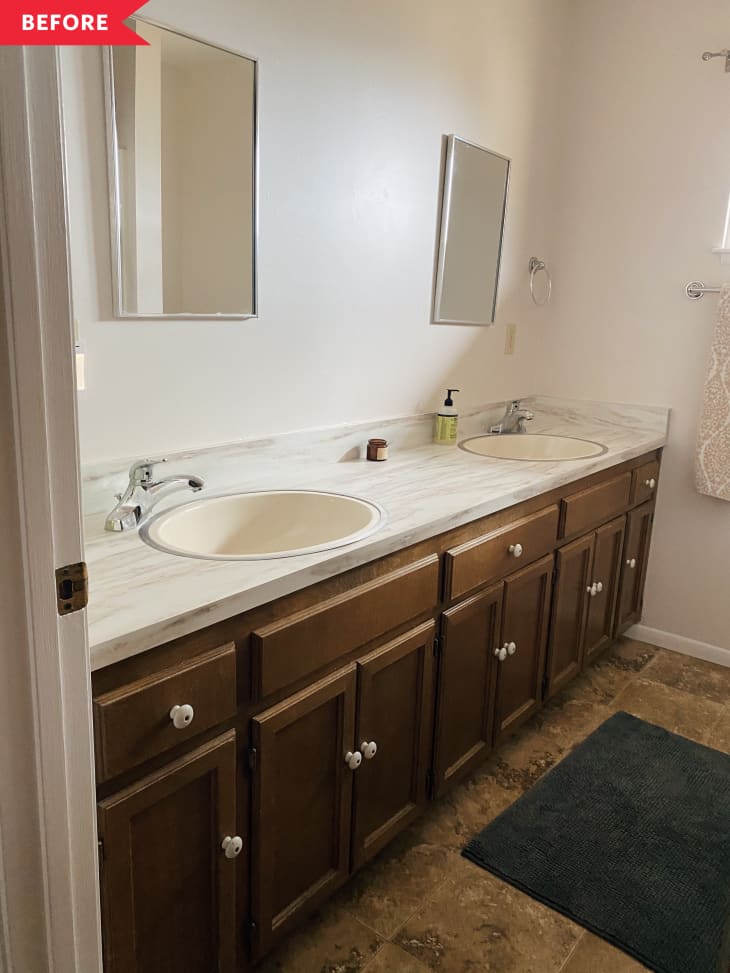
x=630, y=837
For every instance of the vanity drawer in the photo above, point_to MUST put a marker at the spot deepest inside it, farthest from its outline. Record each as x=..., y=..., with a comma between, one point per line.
x=591, y=507
x=301, y=644
x=645, y=482
x=498, y=554
x=133, y=723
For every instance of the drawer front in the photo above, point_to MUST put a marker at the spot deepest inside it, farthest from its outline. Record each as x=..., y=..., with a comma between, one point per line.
x=593, y=506
x=495, y=555
x=134, y=723
x=301, y=644
x=645, y=482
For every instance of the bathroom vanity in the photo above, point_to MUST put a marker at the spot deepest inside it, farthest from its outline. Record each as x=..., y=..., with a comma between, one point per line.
x=248, y=767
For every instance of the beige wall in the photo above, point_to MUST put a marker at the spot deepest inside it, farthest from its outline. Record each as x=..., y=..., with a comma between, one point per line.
x=20, y=861
x=646, y=177
x=354, y=101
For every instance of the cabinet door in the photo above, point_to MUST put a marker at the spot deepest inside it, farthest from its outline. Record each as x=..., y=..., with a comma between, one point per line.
x=301, y=804
x=466, y=682
x=395, y=703
x=570, y=603
x=633, y=566
x=605, y=577
x=525, y=615
x=168, y=891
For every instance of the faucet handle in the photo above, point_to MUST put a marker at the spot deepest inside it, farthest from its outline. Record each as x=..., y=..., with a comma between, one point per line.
x=141, y=472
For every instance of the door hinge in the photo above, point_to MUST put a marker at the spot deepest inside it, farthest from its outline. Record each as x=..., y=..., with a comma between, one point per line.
x=545, y=681
x=429, y=782
x=100, y=846
x=72, y=588
x=436, y=646
x=252, y=755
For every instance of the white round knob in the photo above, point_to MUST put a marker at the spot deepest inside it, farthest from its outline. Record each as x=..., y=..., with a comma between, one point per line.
x=592, y=590
x=599, y=586
x=631, y=563
x=353, y=760
x=650, y=483
x=515, y=550
x=368, y=750
x=232, y=846
x=182, y=716
x=502, y=653
x=511, y=648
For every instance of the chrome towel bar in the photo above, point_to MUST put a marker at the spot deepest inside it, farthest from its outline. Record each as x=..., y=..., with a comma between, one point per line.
x=696, y=289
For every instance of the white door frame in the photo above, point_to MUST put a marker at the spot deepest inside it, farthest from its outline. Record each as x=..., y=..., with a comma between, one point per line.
x=39, y=322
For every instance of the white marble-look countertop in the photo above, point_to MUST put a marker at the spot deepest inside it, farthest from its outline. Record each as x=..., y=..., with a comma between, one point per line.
x=141, y=597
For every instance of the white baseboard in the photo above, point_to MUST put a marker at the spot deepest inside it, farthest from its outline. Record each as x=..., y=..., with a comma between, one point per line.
x=678, y=643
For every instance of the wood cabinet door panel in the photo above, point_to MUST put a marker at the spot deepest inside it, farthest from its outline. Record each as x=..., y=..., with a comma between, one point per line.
x=525, y=616
x=605, y=575
x=395, y=711
x=466, y=682
x=301, y=804
x=168, y=891
x=633, y=566
x=570, y=604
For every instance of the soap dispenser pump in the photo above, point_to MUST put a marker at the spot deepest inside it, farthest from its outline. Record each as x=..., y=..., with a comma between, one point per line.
x=446, y=421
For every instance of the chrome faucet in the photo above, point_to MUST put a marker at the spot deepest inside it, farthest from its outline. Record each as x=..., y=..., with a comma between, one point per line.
x=143, y=491
x=513, y=420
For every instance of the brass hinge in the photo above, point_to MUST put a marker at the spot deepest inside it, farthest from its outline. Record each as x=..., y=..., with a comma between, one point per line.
x=72, y=588
x=436, y=646
x=252, y=758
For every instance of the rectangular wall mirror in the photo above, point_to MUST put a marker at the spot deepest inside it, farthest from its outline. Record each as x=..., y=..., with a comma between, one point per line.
x=182, y=161
x=472, y=226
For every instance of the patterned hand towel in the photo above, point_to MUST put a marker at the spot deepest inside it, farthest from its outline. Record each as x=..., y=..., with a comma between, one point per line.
x=712, y=469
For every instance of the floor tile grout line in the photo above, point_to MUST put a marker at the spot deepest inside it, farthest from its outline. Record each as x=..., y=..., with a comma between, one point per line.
x=425, y=901
x=371, y=961
x=573, y=948
x=381, y=942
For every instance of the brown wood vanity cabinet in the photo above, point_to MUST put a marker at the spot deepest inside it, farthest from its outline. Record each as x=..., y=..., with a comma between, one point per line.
x=245, y=771
x=587, y=573
x=492, y=652
x=633, y=567
x=520, y=654
x=168, y=887
x=338, y=770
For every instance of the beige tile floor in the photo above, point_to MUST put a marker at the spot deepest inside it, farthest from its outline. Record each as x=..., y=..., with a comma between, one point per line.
x=420, y=906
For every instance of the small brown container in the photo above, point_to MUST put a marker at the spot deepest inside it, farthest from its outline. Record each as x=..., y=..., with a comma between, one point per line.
x=377, y=450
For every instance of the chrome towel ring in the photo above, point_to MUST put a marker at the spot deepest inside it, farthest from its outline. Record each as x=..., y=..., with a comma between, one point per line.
x=535, y=266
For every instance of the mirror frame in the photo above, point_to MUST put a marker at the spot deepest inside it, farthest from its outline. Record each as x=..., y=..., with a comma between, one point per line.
x=115, y=194
x=443, y=233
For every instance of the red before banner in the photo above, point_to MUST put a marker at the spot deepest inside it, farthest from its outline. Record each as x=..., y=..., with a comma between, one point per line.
x=35, y=22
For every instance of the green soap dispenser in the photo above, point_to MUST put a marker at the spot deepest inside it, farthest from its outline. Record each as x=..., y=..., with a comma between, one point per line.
x=446, y=421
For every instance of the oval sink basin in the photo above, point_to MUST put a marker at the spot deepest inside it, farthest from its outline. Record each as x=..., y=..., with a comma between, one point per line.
x=269, y=524
x=525, y=446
